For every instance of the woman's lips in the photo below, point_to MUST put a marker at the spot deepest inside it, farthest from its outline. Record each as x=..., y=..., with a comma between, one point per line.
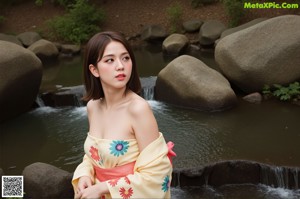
x=121, y=76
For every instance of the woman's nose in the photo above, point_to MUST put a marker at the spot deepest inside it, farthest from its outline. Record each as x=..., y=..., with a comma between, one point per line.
x=119, y=65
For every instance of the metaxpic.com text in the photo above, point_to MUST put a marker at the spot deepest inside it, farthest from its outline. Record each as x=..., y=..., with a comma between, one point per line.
x=266, y=5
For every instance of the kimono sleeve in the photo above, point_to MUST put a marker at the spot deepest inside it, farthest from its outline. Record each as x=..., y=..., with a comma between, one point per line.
x=151, y=177
x=83, y=169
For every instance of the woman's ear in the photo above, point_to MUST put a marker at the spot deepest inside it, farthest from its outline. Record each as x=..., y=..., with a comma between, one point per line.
x=94, y=70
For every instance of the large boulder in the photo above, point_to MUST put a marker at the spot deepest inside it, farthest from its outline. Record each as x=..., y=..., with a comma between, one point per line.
x=70, y=49
x=242, y=27
x=20, y=77
x=175, y=44
x=28, y=38
x=192, y=25
x=210, y=31
x=266, y=53
x=46, y=181
x=187, y=81
x=153, y=33
x=10, y=38
x=44, y=49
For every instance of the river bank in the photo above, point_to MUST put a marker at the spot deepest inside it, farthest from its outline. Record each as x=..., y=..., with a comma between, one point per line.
x=126, y=16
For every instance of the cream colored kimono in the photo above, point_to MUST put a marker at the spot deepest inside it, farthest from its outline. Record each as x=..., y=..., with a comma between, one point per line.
x=151, y=170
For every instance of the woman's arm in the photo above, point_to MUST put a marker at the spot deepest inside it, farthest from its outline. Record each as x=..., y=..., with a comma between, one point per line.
x=144, y=124
x=84, y=174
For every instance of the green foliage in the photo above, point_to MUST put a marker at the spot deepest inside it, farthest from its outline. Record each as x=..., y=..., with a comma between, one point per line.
x=290, y=92
x=198, y=3
x=39, y=2
x=235, y=10
x=80, y=23
x=267, y=90
x=174, y=12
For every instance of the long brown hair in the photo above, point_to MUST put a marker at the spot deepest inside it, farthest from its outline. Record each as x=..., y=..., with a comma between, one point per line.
x=93, y=53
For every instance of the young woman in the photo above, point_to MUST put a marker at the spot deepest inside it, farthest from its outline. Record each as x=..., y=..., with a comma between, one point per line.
x=125, y=154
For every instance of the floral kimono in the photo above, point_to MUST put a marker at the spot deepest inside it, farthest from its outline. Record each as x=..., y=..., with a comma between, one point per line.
x=128, y=172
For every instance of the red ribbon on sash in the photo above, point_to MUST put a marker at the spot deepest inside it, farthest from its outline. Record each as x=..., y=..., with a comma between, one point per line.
x=171, y=153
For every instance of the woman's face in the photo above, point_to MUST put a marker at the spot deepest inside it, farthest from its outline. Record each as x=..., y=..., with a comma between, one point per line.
x=115, y=66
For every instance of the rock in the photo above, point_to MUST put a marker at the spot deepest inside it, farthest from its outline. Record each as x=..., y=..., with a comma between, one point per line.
x=66, y=96
x=242, y=27
x=175, y=44
x=46, y=181
x=58, y=45
x=240, y=172
x=210, y=31
x=264, y=54
x=10, y=38
x=153, y=33
x=234, y=172
x=220, y=173
x=44, y=49
x=20, y=77
x=28, y=38
x=70, y=49
x=254, y=98
x=192, y=25
x=188, y=82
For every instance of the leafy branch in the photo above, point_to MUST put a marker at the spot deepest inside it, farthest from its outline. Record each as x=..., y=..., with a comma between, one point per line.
x=284, y=93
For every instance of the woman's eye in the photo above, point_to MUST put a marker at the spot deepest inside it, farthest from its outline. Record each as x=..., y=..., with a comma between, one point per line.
x=109, y=60
x=126, y=58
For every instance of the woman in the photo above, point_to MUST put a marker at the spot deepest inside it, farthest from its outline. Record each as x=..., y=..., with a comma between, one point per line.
x=125, y=154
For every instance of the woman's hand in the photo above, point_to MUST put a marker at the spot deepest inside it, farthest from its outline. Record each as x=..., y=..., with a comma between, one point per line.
x=95, y=191
x=83, y=183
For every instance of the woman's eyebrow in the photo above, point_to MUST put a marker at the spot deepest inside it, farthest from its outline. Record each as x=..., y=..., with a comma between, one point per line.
x=108, y=55
x=111, y=55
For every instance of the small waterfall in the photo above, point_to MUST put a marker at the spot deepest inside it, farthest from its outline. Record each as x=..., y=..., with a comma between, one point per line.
x=296, y=177
x=39, y=102
x=148, y=85
x=148, y=93
x=206, y=178
x=282, y=177
x=77, y=99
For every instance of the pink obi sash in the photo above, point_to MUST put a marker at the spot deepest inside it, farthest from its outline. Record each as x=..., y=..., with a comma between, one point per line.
x=113, y=173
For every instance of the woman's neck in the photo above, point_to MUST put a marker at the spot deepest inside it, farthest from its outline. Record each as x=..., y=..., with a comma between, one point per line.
x=113, y=98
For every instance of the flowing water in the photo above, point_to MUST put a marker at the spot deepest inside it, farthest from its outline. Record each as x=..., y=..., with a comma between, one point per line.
x=268, y=132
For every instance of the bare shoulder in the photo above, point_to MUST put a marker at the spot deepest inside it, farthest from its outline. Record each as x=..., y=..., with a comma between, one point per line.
x=143, y=122
x=139, y=106
x=92, y=104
